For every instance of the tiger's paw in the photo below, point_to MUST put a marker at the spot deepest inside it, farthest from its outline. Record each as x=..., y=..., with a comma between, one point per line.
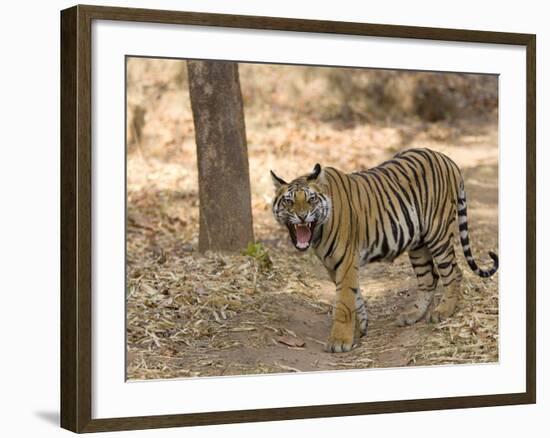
x=410, y=315
x=338, y=346
x=444, y=309
x=341, y=339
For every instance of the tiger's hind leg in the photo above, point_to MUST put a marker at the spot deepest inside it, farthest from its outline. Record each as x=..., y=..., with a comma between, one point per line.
x=426, y=275
x=361, y=317
x=451, y=277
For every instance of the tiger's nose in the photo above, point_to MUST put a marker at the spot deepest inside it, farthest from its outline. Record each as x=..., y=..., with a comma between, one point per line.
x=302, y=217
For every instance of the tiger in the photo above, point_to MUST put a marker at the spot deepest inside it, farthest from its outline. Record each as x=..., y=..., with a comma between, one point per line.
x=409, y=203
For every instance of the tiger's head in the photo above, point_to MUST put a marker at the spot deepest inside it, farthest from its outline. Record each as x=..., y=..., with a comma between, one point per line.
x=302, y=205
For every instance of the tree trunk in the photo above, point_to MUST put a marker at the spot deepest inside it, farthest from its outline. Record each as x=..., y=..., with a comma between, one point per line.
x=222, y=156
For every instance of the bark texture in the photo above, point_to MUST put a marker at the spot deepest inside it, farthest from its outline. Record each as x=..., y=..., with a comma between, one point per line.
x=222, y=155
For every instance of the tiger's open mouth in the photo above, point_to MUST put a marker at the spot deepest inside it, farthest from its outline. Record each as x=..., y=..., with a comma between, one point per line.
x=301, y=234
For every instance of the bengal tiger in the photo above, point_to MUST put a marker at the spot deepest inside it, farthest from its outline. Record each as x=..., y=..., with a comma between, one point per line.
x=408, y=203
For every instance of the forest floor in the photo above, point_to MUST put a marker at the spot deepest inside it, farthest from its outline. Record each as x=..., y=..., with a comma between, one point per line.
x=213, y=314
x=268, y=311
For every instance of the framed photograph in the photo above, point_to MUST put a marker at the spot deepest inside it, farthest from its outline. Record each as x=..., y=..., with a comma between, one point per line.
x=266, y=218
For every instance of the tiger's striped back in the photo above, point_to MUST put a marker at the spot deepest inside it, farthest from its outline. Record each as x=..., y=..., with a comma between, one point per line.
x=399, y=205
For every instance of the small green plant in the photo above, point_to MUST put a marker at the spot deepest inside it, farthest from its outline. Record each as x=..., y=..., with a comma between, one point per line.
x=259, y=253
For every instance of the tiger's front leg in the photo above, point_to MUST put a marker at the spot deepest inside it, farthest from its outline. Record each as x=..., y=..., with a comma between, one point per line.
x=345, y=310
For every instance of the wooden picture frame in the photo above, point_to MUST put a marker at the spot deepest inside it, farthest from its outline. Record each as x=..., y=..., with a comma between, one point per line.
x=76, y=218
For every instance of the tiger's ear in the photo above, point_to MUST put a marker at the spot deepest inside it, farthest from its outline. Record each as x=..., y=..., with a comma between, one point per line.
x=277, y=182
x=315, y=174
x=316, y=171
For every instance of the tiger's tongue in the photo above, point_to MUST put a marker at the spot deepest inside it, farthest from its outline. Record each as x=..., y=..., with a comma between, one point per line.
x=303, y=234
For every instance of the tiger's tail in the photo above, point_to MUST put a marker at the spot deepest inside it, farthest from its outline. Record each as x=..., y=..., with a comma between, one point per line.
x=465, y=240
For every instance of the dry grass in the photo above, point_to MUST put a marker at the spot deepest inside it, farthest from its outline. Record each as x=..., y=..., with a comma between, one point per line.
x=215, y=314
